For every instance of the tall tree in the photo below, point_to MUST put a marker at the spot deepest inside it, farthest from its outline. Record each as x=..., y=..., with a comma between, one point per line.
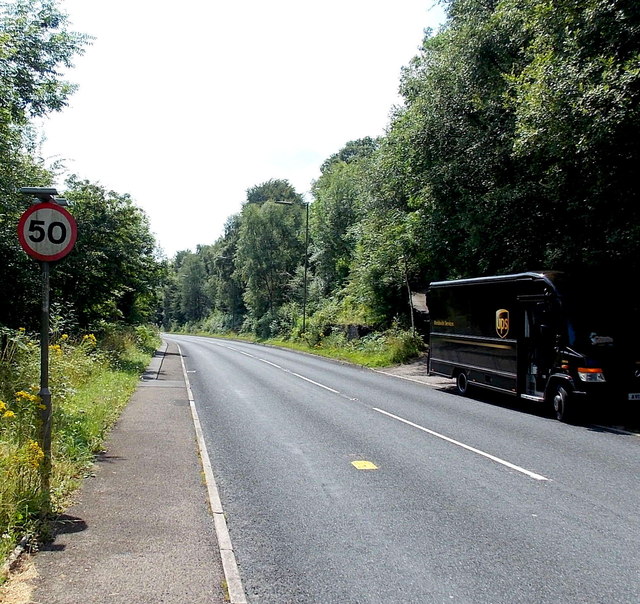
x=336, y=211
x=270, y=247
x=35, y=45
x=385, y=259
x=113, y=272
x=577, y=110
x=194, y=302
x=227, y=287
x=273, y=190
x=450, y=147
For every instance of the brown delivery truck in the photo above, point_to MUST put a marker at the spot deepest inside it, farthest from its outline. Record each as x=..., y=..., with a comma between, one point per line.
x=564, y=341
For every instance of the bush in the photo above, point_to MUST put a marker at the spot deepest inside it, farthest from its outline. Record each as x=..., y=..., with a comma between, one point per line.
x=147, y=338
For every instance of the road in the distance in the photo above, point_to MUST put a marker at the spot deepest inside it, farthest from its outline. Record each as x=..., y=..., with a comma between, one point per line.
x=469, y=502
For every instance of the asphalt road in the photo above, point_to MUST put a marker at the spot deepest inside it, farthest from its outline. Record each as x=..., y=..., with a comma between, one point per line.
x=344, y=485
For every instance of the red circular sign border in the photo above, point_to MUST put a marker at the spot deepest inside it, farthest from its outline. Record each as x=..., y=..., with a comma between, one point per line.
x=52, y=206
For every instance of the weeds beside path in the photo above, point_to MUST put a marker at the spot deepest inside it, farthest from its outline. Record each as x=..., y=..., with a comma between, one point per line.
x=91, y=380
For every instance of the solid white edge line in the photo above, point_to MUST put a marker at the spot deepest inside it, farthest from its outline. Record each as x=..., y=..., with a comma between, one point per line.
x=227, y=556
x=467, y=447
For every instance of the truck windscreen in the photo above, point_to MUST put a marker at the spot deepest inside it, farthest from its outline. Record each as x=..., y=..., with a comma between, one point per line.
x=601, y=314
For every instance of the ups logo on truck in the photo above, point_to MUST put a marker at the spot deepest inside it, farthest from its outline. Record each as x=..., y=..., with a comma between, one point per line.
x=502, y=322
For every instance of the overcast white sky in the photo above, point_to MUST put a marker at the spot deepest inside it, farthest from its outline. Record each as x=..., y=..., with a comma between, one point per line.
x=186, y=105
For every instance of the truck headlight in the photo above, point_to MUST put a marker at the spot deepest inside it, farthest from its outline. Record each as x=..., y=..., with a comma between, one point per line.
x=591, y=374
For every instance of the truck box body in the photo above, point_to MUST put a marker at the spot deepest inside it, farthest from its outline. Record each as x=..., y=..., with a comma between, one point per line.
x=538, y=336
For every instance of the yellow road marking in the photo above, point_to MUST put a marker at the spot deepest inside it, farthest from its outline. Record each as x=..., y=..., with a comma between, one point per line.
x=364, y=465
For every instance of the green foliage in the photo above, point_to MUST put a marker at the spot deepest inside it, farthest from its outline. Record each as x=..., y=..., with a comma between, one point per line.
x=226, y=285
x=270, y=247
x=336, y=212
x=146, y=338
x=386, y=253
x=192, y=298
x=273, y=190
x=379, y=349
x=577, y=109
x=353, y=151
x=34, y=47
x=113, y=272
x=518, y=132
x=215, y=323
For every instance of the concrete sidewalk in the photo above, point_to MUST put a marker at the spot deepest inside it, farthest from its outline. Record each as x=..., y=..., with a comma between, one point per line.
x=142, y=530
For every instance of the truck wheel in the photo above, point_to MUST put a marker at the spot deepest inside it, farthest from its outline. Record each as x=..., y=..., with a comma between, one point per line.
x=562, y=406
x=462, y=383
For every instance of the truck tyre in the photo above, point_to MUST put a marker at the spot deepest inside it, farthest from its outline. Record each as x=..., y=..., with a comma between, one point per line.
x=462, y=384
x=562, y=404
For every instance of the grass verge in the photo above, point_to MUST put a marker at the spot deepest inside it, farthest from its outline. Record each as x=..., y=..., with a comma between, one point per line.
x=380, y=349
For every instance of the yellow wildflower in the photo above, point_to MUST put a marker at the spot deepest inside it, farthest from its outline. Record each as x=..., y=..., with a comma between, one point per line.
x=89, y=339
x=35, y=454
x=8, y=414
x=34, y=398
x=3, y=406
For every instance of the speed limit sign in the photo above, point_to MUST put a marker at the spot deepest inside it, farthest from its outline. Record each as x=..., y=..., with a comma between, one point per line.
x=47, y=231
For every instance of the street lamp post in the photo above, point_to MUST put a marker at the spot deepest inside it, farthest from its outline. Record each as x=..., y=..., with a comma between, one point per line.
x=306, y=260
x=306, y=266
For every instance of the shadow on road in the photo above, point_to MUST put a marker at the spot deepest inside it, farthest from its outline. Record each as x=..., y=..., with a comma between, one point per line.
x=610, y=419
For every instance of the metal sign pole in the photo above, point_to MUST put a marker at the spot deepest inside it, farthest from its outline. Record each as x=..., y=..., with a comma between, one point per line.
x=45, y=394
x=47, y=232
